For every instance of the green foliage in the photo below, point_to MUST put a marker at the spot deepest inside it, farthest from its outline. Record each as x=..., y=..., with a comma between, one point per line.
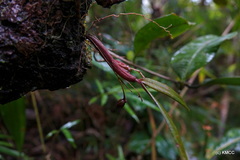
x=170, y=25
x=138, y=130
x=172, y=127
x=65, y=130
x=13, y=153
x=224, y=81
x=164, y=148
x=13, y=115
x=163, y=88
x=197, y=54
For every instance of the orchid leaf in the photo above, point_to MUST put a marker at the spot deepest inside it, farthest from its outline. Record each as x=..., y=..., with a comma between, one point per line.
x=171, y=125
x=163, y=88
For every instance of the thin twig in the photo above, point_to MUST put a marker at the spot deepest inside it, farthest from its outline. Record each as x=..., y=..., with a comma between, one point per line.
x=127, y=14
x=228, y=28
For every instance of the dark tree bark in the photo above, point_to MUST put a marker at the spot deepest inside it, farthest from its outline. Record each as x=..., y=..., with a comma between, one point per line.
x=108, y=3
x=41, y=45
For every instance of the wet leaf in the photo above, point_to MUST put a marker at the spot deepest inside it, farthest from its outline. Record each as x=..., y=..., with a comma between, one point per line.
x=197, y=54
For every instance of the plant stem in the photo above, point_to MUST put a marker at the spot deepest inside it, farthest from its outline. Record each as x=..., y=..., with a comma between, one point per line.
x=39, y=126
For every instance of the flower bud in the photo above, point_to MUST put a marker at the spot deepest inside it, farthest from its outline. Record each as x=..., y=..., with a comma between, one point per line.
x=121, y=103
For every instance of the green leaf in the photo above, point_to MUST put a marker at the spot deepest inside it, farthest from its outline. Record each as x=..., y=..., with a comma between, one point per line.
x=197, y=54
x=93, y=100
x=100, y=86
x=67, y=133
x=14, y=117
x=103, y=66
x=6, y=144
x=53, y=132
x=69, y=137
x=70, y=124
x=131, y=112
x=221, y=3
x=169, y=25
x=232, y=137
x=120, y=153
x=104, y=99
x=224, y=81
x=109, y=157
x=163, y=88
x=134, y=99
x=4, y=136
x=12, y=153
x=172, y=127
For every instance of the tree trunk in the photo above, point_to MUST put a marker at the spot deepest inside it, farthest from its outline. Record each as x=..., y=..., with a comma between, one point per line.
x=41, y=45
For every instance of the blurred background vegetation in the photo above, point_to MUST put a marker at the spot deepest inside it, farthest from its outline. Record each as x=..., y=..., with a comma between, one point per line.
x=82, y=122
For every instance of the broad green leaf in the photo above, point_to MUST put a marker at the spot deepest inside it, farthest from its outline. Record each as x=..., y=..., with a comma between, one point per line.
x=70, y=124
x=14, y=117
x=163, y=88
x=169, y=25
x=224, y=81
x=232, y=137
x=69, y=137
x=172, y=127
x=197, y=54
